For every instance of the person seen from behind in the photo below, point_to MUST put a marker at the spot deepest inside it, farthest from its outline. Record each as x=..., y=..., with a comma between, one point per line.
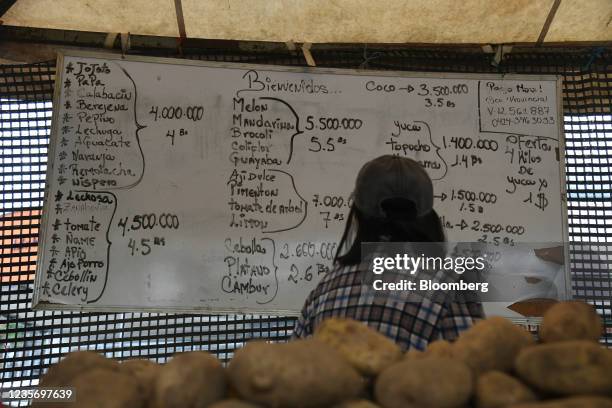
x=392, y=202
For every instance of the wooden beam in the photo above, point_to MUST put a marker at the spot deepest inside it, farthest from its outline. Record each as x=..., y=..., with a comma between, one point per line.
x=5, y=5
x=548, y=22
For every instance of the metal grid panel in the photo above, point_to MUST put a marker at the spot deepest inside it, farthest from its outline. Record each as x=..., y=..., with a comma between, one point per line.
x=31, y=341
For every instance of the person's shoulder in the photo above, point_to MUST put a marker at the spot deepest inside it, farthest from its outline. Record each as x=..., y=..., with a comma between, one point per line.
x=339, y=275
x=340, y=272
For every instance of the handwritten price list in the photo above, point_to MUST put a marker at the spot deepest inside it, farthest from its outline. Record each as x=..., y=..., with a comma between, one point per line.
x=231, y=188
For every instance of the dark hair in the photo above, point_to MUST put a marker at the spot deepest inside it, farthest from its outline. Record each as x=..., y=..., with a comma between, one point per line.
x=399, y=225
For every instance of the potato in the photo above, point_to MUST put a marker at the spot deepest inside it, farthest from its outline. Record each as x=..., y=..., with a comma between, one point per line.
x=496, y=389
x=567, y=368
x=74, y=364
x=362, y=403
x=190, y=380
x=144, y=371
x=414, y=354
x=430, y=382
x=439, y=348
x=101, y=388
x=365, y=349
x=574, y=402
x=491, y=344
x=98, y=387
x=233, y=403
x=571, y=321
x=299, y=374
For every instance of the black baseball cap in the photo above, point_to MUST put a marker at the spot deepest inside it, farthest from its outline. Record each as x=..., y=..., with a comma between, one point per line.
x=390, y=177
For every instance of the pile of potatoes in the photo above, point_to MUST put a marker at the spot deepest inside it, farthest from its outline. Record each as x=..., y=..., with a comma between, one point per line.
x=345, y=364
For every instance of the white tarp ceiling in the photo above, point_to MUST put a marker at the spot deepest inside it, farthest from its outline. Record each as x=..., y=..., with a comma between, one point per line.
x=325, y=21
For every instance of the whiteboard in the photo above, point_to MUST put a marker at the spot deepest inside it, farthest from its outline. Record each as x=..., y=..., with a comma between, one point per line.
x=178, y=185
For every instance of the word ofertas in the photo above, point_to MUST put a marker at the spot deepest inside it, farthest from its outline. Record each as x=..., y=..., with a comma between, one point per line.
x=411, y=264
